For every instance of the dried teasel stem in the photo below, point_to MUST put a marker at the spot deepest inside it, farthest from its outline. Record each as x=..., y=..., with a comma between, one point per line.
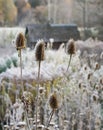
x=37, y=90
x=69, y=62
x=21, y=71
x=20, y=44
x=27, y=121
x=39, y=53
x=51, y=114
x=26, y=99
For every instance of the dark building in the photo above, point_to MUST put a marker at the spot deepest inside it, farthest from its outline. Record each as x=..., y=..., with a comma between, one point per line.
x=61, y=33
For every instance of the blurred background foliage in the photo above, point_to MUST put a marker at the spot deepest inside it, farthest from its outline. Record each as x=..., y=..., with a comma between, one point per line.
x=22, y=12
x=86, y=14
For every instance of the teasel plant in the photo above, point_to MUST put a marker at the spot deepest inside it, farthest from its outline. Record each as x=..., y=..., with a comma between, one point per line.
x=40, y=56
x=53, y=102
x=20, y=44
x=70, y=49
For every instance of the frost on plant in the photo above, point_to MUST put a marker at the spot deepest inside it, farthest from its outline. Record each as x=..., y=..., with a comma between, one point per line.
x=65, y=101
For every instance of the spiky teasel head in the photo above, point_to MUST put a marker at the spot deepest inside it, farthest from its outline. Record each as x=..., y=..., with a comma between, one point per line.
x=71, y=47
x=39, y=50
x=101, y=81
x=95, y=97
x=20, y=41
x=97, y=66
x=53, y=101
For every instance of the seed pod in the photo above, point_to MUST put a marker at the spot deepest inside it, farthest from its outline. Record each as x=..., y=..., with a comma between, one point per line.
x=39, y=51
x=97, y=66
x=71, y=47
x=20, y=41
x=94, y=98
x=53, y=101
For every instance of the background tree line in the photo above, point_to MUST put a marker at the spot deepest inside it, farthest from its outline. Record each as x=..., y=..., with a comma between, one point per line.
x=22, y=12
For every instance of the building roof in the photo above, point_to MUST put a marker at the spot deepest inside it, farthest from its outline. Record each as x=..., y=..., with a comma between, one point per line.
x=59, y=32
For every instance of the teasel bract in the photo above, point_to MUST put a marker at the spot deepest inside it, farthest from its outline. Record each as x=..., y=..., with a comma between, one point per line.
x=40, y=56
x=20, y=44
x=70, y=49
x=53, y=102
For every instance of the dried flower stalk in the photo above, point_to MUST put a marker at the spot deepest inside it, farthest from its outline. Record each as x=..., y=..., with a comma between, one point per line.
x=20, y=44
x=39, y=55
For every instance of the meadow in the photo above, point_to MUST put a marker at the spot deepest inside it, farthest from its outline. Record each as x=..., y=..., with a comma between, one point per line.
x=48, y=94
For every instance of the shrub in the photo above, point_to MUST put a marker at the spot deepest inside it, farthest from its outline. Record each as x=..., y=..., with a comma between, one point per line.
x=14, y=61
x=8, y=63
x=3, y=68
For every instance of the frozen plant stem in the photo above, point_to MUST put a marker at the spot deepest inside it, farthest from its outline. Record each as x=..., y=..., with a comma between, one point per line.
x=73, y=127
x=22, y=88
x=51, y=114
x=37, y=89
x=69, y=62
x=28, y=126
x=21, y=71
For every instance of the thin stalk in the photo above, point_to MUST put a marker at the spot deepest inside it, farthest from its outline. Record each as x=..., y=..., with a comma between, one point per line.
x=37, y=90
x=21, y=71
x=73, y=127
x=20, y=54
x=51, y=114
x=28, y=126
x=69, y=62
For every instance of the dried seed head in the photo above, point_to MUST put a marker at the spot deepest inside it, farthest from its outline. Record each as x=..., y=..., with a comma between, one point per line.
x=41, y=90
x=95, y=97
x=97, y=87
x=20, y=41
x=101, y=81
x=53, y=101
x=85, y=68
x=97, y=66
x=98, y=121
x=39, y=51
x=84, y=90
x=71, y=47
x=80, y=85
x=89, y=76
x=27, y=98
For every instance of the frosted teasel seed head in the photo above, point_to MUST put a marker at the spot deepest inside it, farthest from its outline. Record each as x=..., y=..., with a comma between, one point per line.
x=95, y=97
x=89, y=76
x=53, y=101
x=80, y=85
x=40, y=50
x=20, y=41
x=97, y=66
x=70, y=49
x=101, y=81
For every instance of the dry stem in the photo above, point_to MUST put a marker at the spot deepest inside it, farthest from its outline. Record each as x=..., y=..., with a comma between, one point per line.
x=21, y=71
x=69, y=62
x=51, y=114
x=37, y=89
